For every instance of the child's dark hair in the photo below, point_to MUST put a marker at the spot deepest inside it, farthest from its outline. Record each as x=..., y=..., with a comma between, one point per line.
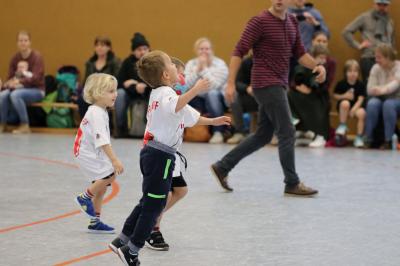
x=151, y=67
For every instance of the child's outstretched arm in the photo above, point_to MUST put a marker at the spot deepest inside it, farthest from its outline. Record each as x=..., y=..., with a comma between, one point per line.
x=217, y=121
x=200, y=86
x=118, y=167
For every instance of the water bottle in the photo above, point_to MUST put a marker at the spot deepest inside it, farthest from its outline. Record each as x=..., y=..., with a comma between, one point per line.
x=395, y=142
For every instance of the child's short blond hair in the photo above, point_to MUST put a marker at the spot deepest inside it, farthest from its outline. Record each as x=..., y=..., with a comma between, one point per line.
x=151, y=67
x=95, y=86
x=350, y=64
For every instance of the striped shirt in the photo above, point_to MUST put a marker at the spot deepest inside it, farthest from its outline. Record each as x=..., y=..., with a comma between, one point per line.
x=217, y=73
x=274, y=41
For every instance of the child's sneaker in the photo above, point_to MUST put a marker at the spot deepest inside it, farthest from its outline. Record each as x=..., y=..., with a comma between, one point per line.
x=100, y=228
x=295, y=121
x=115, y=245
x=156, y=242
x=127, y=258
x=318, y=142
x=86, y=206
x=341, y=129
x=358, y=142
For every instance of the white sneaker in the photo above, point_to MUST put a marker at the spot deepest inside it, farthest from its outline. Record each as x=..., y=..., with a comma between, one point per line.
x=216, y=138
x=235, y=139
x=299, y=134
x=318, y=142
x=301, y=142
x=341, y=130
x=358, y=142
x=309, y=135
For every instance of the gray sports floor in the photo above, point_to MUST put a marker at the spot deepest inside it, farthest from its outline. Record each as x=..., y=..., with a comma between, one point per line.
x=355, y=220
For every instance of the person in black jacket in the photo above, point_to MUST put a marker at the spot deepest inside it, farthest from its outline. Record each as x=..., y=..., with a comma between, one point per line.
x=131, y=86
x=103, y=61
x=244, y=101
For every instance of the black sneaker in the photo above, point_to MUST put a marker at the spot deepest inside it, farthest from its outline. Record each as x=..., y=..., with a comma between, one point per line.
x=222, y=179
x=115, y=245
x=127, y=258
x=156, y=242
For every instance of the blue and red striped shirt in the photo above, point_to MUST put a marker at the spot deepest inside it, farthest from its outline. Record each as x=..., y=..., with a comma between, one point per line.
x=274, y=42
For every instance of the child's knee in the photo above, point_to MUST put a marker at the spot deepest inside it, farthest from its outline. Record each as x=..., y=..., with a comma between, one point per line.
x=345, y=105
x=361, y=113
x=180, y=192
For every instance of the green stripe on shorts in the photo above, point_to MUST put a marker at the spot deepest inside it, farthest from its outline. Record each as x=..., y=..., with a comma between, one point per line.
x=155, y=196
x=167, y=168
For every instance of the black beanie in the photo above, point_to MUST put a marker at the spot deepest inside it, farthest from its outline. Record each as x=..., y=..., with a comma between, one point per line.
x=138, y=40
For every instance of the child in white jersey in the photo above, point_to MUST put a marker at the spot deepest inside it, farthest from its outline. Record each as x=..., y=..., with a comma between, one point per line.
x=168, y=114
x=178, y=186
x=92, y=148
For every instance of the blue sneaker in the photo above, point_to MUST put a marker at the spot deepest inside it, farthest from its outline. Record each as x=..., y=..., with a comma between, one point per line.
x=100, y=228
x=86, y=206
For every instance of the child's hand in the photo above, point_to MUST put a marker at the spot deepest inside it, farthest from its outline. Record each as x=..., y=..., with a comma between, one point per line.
x=349, y=95
x=201, y=85
x=118, y=167
x=222, y=121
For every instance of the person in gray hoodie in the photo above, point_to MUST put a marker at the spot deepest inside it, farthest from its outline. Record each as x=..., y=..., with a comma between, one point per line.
x=376, y=27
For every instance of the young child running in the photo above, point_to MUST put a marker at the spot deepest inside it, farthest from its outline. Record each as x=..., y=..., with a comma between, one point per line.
x=350, y=94
x=168, y=114
x=92, y=148
x=178, y=186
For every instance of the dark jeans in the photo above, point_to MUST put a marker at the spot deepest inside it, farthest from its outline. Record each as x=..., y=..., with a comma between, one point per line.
x=211, y=103
x=243, y=103
x=366, y=64
x=157, y=168
x=273, y=115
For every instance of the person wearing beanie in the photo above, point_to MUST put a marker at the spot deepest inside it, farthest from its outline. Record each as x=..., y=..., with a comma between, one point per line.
x=376, y=27
x=131, y=87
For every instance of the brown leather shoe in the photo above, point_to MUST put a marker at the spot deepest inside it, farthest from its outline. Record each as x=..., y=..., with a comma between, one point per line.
x=2, y=128
x=300, y=190
x=223, y=180
x=22, y=129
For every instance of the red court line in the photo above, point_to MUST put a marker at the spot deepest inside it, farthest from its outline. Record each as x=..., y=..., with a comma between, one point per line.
x=114, y=192
x=69, y=262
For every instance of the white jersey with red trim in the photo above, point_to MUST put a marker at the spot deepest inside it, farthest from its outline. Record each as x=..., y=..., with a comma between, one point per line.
x=93, y=133
x=164, y=124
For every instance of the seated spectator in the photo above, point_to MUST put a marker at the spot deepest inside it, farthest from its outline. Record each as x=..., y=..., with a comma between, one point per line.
x=210, y=67
x=351, y=96
x=384, y=89
x=103, y=61
x=131, y=87
x=244, y=101
x=24, y=89
x=321, y=38
x=310, y=21
x=308, y=102
x=375, y=27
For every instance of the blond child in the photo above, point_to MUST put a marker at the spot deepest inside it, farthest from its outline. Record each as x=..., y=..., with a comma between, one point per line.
x=92, y=148
x=168, y=114
x=350, y=94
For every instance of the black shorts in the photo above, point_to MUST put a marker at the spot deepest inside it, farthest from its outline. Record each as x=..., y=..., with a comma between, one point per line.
x=178, y=181
x=352, y=103
x=107, y=177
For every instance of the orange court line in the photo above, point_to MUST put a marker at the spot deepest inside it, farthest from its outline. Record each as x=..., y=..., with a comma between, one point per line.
x=69, y=262
x=114, y=192
x=39, y=159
